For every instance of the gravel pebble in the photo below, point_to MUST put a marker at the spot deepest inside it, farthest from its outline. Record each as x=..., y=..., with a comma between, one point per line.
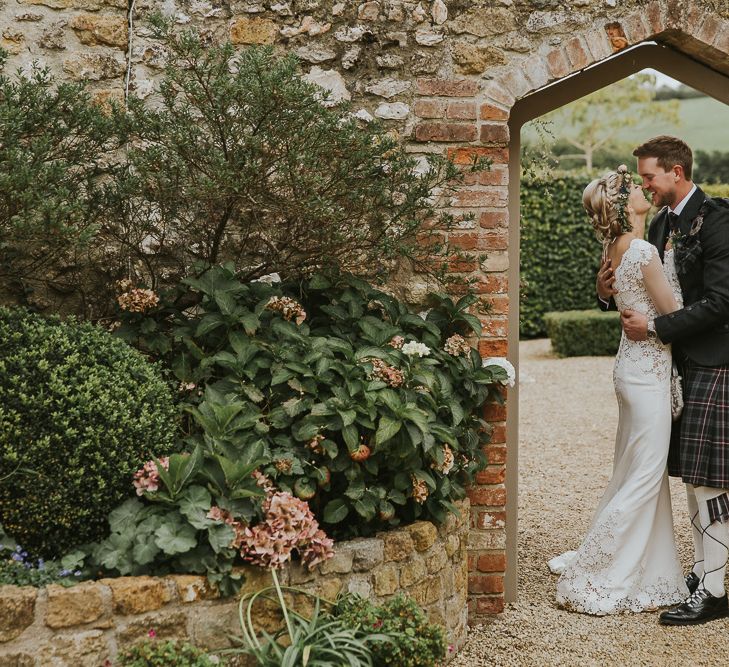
x=567, y=421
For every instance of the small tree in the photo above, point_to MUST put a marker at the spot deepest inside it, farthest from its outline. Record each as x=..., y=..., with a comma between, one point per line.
x=51, y=194
x=241, y=160
x=594, y=121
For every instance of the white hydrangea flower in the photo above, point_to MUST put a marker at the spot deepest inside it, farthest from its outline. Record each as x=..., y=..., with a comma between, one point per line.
x=412, y=348
x=504, y=363
x=269, y=279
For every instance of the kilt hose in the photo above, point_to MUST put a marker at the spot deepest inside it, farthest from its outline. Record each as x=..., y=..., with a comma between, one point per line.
x=699, y=451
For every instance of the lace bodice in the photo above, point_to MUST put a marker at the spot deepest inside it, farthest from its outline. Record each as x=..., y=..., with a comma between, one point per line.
x=648, y=356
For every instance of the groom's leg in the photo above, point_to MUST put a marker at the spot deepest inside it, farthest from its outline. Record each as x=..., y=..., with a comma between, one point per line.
x=713, y=507
x=696, y=531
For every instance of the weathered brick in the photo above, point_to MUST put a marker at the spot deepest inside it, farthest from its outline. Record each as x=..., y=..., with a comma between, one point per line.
x=430, y=108
x=536, y=71
x=495, y=91
x=436, y=561
x=427, y=591
x=495, y=133
x=498, y=433
x=489, y=496
x=491, y=475
x=636, y=26
x=486, y=583
x=461, y=110
x=515, y=82
x=654, y=16
x=447, y=87
x=493, y=283
x=722, y=39
x=489, y=605
x=576, y=54
x=77, y=605
x=467, y=155
x=598, y=43
x=490, y=112
x=491, y=562
x=462, y=265
x=495, y=453
x=710, y=29
x=490, y=520
x=488, y=177
x=445, y=132
x=494, y=412
x=476, y=198
x=496, y=327
x=558, y=63
x=499, y=305
x=492, y=219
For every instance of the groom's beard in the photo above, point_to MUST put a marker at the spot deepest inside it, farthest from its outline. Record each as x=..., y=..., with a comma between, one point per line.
x=665, y=199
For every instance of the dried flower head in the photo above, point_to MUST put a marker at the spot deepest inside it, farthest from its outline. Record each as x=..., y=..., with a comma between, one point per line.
x=224, y=516
x=420, y=490
x=392, y=376
x=290, y=309
x=288, y=525
x=284, y=466
x=263, y=481
x=448, y=461
x=137, y=300
x=397, y=342
x=457, y=345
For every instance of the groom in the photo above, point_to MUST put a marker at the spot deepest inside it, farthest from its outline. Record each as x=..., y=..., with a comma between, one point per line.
x=698, y=229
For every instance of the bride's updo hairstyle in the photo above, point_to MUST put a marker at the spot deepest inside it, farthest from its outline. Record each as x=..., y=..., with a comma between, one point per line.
x=605, y=199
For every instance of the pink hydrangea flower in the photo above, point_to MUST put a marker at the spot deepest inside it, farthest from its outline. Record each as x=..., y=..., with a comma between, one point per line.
x=146, y=479
x=288, y=525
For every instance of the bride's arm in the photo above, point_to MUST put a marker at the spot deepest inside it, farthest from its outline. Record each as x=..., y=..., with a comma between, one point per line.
x=656, y=284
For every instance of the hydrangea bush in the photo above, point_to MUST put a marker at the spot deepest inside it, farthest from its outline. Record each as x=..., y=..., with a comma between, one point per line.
x=367, y=411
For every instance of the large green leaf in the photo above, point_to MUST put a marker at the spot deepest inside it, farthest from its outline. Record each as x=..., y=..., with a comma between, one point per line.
x=335, y=511
x=387, y=429
x=175, y=536
x=194, y=504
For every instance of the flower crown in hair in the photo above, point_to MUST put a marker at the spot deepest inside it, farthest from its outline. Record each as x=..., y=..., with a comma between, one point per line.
x=621, y=203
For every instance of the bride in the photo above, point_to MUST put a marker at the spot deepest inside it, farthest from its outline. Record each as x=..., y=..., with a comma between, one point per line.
x=628, y=561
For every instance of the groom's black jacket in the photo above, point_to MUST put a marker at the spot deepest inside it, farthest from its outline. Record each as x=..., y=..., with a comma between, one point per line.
x=700, y=330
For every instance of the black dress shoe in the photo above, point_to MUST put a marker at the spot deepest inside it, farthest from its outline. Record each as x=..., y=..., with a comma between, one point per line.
x=692, y=581
x=700, y=607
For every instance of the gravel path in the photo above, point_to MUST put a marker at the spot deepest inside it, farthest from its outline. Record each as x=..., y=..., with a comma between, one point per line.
x=568, y=417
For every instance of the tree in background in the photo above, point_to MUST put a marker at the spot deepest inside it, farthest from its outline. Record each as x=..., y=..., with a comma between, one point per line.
x=593, y=122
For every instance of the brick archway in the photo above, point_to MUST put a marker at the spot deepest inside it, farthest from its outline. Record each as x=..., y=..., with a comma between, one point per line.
x=682, y=39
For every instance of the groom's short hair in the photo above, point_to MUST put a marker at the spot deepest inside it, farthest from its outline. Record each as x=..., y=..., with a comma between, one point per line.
x=668, y=151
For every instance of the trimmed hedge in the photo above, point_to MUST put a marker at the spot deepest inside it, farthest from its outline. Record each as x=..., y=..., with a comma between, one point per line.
x=80, y=411
x=577, y=333
x=560, y=255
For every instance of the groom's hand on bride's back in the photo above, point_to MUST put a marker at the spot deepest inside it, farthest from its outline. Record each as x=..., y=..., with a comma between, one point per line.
x=605, y=279
x=635, y=324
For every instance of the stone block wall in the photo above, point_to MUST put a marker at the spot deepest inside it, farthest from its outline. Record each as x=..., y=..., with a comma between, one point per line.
x=86, y=624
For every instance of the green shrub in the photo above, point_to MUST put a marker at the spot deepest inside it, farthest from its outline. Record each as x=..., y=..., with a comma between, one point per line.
x=172, y=653
x=413, y=641
x=370, y=435
x=560, y=255
x=578, y=333
x=179, y=523
x=79, y=412
x=716, y=189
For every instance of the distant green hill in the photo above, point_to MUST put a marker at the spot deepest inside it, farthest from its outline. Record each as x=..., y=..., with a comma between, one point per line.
x=704, y=126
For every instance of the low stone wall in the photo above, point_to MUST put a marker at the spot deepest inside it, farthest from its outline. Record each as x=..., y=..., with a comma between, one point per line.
x=86, y=624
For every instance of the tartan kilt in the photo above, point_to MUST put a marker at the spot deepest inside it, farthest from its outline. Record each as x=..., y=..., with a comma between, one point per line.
x=699, y=450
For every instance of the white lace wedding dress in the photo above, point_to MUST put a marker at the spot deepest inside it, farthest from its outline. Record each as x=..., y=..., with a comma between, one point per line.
x=628, y=561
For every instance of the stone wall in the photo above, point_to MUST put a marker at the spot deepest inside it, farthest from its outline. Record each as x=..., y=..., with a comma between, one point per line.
x=84, y=625
x=442, y=74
